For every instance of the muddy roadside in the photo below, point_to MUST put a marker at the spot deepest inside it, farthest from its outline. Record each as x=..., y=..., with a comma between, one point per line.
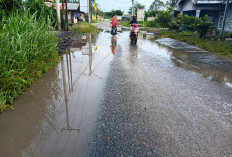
x=65, y=40
x=75, y=35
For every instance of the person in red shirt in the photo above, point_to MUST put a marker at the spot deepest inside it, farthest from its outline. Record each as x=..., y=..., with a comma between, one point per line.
x=114, y=22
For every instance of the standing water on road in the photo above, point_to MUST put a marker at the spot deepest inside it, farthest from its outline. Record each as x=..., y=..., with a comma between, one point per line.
x=108, y=97
x=54, y=119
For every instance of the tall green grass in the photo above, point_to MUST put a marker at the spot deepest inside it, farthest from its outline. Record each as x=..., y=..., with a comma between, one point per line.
x=81, y=28
x=27, y=49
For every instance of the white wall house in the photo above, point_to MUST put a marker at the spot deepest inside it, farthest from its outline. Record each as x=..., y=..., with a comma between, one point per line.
x=213, y=8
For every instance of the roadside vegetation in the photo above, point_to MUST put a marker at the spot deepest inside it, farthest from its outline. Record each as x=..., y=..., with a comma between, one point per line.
x=195, y=31
x=27, y=47
x=127, y=23
x=81, y=28
x=223, y=48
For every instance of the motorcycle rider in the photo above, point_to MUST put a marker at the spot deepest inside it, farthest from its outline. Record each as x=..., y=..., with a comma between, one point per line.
x=133, y=21
x=114, y=22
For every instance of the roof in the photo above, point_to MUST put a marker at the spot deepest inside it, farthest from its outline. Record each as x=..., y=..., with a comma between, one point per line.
x=204, y=1
x=71, y=6
x=194, y=1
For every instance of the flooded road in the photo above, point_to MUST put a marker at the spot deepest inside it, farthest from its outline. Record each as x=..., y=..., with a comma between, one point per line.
x=107, y=97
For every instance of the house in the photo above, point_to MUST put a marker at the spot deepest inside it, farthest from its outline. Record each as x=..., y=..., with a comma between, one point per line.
x=213, y=8
x=74, y=13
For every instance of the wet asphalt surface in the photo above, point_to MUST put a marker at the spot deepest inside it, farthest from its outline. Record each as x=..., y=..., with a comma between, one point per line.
x=125, y=100
x=152, y=108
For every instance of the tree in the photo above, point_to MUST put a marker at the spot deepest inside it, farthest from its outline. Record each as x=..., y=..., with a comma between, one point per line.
x=137, y=6
x=164, y=19
x=150, y=13
x=169, y=5
x=172, y=3
x=113, y=13
x=156, y=5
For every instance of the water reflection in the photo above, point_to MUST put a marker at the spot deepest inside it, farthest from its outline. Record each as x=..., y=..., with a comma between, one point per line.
x=133, y=48
x=178, y=45
x=90, y=54
x=69, y=72
x=113, y=44
x=54, y=107
x=88, y=51
x=215, y=73
x=33, y=118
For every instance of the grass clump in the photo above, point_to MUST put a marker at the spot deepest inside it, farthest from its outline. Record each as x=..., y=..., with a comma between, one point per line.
x=124, y=23
x=127, y=23
x=82, y=28
x=27, y=49
x=223, y=48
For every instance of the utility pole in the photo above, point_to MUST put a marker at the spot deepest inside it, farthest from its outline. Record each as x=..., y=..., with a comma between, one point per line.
x=133, y=8
x=58, y=14
x=63, y=14
x=224, y=20
x=66, y=14
x=89, y=15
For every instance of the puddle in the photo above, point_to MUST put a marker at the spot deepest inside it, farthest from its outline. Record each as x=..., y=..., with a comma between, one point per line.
x=55, y=119
x=182, y=46
x=193, y=58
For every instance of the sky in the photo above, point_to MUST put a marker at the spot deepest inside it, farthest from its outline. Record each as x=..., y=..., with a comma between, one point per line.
x=124, y=5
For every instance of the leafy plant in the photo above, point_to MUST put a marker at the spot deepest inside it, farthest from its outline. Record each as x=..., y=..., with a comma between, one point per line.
x=190, y=22
x=164, y=19
x=204, y=26
x=186, y=22
x=150, y=13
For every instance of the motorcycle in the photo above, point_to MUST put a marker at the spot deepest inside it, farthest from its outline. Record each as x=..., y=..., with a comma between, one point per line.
x=113, y=30
x=134, y=33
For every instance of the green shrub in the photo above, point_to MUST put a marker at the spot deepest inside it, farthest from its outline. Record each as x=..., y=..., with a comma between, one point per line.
x=151, y=24
x=186, y=22
x=190, y=22
x=164, y=19
x=228, y=35
x=150, y=13
x=124, y=23
x=175, y=26
x=204, y=26
x=140, y=23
